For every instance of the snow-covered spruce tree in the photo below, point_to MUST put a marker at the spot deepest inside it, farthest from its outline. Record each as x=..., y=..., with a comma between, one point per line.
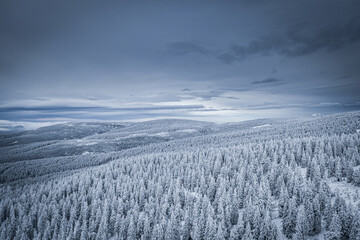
x=289, y=218
x=248, y=233
x=328, y=214
x=355, y=225
x=147, y=229
x=338, y=171
x=356, y=177
x=316, y=228
x=257, y=223
x=210, y=230
x=334, y=232
x=186, y=227
x=283, y=199
x=132, y=233
x=172, y=227
x=158, y=232
x=302, y=227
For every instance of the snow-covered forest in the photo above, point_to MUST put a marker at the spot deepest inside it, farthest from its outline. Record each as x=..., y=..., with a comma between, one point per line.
x=179, y=179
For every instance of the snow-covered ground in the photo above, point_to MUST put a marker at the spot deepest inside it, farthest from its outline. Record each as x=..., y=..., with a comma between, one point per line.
x=261, y=126
x=180, y=178
x=347, y=190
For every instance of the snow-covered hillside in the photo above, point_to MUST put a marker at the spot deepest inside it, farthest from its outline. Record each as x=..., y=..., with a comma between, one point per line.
x=181, y=179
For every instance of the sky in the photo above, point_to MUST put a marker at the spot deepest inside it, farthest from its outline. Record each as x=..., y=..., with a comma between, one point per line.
x=219, y=61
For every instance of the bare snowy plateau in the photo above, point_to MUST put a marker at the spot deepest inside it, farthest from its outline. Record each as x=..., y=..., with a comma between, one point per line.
x=181, y=179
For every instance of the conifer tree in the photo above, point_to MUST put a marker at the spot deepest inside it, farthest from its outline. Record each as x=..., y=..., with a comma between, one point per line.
x=221, y=231
x=47, y=233
x=248, y=233
x=317, y=215
x=186, y=228
x=328, y=214
x=338, y=173
x=289, y=218
x=257, y=223
x=355, y=226
x=158, y=232
x=210, y=230
x=283, y=199
x=265, y=229
x=334, y=232
x=77, y=230
x=237, y=230
x=147, y=229
x=172, y=228
x=302, y=227
x=84, y=231
x=131, y=234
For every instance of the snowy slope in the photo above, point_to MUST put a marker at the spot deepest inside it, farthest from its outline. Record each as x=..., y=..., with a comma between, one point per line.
x=178, y=178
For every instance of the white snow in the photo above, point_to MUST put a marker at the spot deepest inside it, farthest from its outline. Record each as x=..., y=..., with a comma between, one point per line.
x=303, y=172
x=86, y=153
x=159, y=134
x=261, y=126
x=347, y=190
x=190, y=130
x=84, y=142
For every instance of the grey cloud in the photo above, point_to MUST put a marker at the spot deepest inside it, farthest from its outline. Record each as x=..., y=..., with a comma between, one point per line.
x=227, y=58
x=91, y=98
x=205, y=95
x=71, y=109
x=298, y=40
x=101, y=112
x=329, y=38
x=268, y=81
x=236, y=89
x=268, y=106
x=339, y=92
x=343, y=77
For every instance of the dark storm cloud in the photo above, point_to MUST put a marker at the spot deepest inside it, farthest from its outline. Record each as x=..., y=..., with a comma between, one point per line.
x=299, y=40
x=268, y=80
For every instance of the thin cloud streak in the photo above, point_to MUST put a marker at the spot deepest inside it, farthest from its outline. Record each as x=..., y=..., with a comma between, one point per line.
x=267, y=81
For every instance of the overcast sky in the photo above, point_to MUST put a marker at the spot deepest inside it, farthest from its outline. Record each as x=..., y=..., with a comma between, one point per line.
x=206, y=60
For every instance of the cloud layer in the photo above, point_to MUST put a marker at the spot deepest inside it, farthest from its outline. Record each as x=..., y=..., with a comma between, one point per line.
x=220, y=61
